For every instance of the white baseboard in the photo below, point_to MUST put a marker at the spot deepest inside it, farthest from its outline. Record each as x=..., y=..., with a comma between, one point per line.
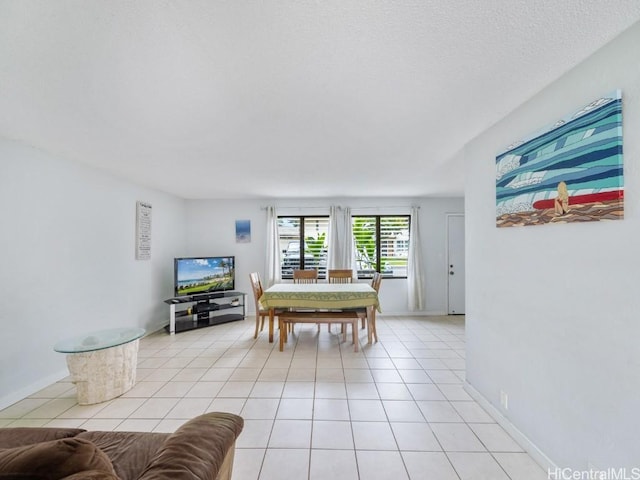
x=520, y=438
x=24, y=392
x=156, y=327
x=428, y=313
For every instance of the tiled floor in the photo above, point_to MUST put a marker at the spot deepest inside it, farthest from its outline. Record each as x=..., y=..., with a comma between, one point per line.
x=395, y=410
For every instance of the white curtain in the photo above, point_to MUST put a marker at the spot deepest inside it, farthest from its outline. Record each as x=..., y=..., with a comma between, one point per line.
x=333, y=245
x=348, y=254
x=341, y=247
x=272, y=269
x=415, y=274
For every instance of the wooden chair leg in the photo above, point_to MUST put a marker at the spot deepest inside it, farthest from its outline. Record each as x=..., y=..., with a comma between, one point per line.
x=288, y=326
x=258, y=318
x=354, y=329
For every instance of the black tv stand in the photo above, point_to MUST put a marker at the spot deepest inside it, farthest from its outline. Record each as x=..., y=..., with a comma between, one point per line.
x=204, y=309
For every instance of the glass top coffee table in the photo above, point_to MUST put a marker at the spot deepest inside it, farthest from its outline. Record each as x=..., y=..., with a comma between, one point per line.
x=99, y=340
x=102, y=363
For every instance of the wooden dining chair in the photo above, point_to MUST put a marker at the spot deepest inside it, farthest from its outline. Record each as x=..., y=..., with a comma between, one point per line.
x=340, y=276
x=261, y=313
x=305, y=276
x=362, y=313
x=375, y=284
x=375, y=281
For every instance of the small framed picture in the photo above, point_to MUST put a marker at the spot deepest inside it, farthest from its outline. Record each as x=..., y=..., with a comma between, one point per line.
x=243, y=231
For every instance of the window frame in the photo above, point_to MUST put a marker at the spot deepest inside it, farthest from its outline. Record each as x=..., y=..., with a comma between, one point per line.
x=301, y=244
x=378, y=243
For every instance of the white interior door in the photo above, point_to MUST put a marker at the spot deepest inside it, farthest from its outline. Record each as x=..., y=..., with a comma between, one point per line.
x=455, y=263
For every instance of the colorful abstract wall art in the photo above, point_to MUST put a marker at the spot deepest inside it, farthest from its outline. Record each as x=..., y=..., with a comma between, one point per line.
x=570, y=172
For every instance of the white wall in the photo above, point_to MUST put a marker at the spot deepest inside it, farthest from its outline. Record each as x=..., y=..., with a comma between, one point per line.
x=211, y=231
x=67, y=261
x=552, y=310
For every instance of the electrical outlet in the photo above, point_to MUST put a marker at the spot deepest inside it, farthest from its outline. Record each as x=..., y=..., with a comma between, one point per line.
x=504, y=399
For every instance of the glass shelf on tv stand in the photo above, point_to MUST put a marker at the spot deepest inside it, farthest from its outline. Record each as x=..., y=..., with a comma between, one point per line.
x=204, y=311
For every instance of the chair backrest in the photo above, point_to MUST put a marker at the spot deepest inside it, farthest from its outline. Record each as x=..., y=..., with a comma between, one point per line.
x=305, y=276
x=340, y=276
x=375, y=281
x=256, y=285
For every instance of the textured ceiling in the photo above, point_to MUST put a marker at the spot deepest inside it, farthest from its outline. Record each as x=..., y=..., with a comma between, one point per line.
x=275, y=98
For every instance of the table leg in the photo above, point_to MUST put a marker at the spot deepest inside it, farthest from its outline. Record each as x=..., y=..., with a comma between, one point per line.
x=271, y=319
x=373, y=322
x=371, y=325
x=282, y=331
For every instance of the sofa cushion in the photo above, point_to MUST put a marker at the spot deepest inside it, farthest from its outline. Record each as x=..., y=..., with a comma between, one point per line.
x=197, y=449
x=129, y=452
x=18, y=436
x=52, y=460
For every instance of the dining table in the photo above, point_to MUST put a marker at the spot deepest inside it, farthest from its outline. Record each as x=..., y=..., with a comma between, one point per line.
x=322, y=296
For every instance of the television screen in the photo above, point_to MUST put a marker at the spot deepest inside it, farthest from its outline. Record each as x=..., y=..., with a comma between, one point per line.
x=203, y=274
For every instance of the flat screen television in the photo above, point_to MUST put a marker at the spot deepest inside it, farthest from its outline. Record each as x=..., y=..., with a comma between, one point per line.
x=195, y=275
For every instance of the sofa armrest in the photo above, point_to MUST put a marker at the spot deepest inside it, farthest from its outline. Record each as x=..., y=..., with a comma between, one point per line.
x=201, y=448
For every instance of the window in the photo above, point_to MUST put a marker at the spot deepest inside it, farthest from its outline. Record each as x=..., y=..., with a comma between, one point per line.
x=382, y=245
x=303, y=234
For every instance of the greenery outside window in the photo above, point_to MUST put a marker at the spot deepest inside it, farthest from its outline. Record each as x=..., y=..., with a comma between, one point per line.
x=305, y=234
x=382, y=245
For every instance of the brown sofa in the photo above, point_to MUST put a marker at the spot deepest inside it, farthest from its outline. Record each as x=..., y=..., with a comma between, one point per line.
x=202, y=448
